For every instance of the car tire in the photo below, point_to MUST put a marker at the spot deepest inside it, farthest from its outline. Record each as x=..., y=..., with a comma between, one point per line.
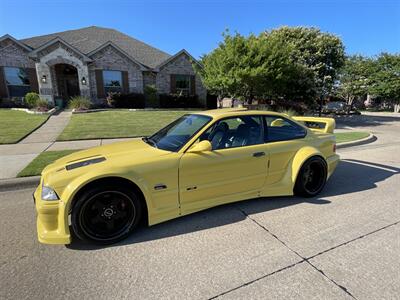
x=311, y=178
x=106, y=215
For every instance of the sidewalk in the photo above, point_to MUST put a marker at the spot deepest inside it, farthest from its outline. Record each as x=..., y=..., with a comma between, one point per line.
x=14, y=157
x=50, y=130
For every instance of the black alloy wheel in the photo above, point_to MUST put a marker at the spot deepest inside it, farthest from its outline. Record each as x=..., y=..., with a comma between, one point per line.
x=106, y=215
x=311, y=178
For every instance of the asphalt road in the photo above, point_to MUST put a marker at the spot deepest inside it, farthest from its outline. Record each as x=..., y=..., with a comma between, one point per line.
x=343, y=244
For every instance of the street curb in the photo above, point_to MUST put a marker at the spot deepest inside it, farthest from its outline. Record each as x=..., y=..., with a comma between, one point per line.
x=13, y=184
x=369, y=139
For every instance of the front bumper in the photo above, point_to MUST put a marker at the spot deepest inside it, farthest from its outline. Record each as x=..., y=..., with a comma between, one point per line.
x=52, y=220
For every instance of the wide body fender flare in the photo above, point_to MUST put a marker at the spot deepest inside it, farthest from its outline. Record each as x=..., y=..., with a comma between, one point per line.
x=78, y=183
x=300, y=157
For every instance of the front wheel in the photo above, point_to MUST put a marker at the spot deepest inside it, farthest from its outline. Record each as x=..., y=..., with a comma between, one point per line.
x=311, y=178
x=106, y=215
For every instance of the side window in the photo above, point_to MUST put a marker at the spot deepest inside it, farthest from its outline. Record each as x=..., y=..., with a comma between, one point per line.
x=235, y=132
x=281, y=129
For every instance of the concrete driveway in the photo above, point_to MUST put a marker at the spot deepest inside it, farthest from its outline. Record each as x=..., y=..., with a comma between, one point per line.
x=343, y=244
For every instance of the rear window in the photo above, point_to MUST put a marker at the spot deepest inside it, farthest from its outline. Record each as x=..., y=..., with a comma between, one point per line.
x=282, y=129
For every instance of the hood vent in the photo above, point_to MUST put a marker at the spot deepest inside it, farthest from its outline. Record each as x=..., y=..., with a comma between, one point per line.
x=84, y=163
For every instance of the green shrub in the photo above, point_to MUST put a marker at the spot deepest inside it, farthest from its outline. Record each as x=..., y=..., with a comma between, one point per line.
x=131, y=100
x=150, y=92
x=42, y=105
x=31, y=99
x=179, y=101
x=79, y=103
x=111, y=98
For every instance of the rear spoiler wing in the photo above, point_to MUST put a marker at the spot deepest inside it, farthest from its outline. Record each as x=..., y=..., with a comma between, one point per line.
x=317, y=124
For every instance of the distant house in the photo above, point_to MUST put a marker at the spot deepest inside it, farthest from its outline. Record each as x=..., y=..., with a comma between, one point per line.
x=91, y=62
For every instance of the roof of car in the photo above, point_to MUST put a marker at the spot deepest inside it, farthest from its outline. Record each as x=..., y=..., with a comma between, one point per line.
x=222, y=112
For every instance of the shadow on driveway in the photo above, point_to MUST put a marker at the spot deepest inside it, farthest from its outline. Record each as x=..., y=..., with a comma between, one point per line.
x=364, y=121
x=350, y=176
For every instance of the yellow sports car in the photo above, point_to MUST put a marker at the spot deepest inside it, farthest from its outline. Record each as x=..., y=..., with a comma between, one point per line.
x=201, y=160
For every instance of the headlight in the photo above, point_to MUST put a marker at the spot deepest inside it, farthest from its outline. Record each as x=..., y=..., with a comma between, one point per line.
x=48, y=194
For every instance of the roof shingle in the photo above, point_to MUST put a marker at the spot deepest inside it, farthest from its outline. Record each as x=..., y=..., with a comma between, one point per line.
x=90, y=38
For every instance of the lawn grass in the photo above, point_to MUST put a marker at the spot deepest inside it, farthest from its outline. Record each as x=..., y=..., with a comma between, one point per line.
x=342, y=137
x=15, y=125
x=39, y=163
x=117, y=124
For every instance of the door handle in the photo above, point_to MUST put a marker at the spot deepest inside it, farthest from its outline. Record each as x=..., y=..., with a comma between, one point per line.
x=258, y=154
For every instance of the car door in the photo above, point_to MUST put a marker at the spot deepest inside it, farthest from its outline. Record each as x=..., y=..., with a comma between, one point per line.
x=284, y=138
x=235, y=169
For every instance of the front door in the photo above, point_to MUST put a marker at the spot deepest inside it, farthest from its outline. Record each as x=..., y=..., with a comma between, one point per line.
x=71, y=86
x=67, y=81
x=235, y=169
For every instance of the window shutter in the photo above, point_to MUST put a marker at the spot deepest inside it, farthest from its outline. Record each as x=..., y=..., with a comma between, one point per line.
x=173, y=84
x=192, y=85
x=3, y=86
x=33, y=79
x=125, y=82
x=99, y=84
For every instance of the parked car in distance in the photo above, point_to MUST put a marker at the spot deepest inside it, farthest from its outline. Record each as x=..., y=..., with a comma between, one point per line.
x=339, y=108
x=201, y=160
x=335, y=107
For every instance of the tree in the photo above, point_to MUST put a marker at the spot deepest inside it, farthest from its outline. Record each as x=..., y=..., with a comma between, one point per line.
x=321, y=53
x=254, y=67
x=354, y=78
x=385, y=78
x=294, y=64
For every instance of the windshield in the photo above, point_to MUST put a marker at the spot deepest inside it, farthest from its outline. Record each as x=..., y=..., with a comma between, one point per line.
x=178, y=133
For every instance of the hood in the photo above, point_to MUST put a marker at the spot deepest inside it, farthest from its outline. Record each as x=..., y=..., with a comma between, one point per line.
x=136, y=148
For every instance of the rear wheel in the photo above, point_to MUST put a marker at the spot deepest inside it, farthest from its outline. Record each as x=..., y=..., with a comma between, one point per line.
x=311, y=178
x=106, y=215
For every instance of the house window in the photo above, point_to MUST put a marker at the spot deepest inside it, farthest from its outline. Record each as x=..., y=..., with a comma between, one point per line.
x=182, y=84
x=112, y=81
x=17, y=81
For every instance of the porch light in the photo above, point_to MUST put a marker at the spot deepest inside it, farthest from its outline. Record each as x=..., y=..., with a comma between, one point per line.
x=44, y=79
x=83, y=80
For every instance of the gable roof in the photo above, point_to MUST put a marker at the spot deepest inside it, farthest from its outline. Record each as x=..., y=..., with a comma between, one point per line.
x=59, y=40
x=171, y=58
x=7, y=36
x=88, y=39
x=111, y=44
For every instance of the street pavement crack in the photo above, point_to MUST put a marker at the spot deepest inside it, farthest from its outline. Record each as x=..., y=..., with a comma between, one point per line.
x=303, y=259
x=257, y=279
x=355, y=239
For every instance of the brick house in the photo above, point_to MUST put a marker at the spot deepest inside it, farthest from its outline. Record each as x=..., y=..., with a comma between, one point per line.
x=91, y=62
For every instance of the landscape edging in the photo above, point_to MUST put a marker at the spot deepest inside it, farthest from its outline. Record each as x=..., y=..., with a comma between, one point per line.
x=369, y=139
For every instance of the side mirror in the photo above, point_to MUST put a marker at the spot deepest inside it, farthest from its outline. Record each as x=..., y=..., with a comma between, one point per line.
x=203, y=146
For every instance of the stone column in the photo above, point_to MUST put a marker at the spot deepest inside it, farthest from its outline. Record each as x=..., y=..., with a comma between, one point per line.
x=83, y=72
x=45, y=88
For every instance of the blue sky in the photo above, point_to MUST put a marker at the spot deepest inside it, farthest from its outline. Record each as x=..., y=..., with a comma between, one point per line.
x=366, y=27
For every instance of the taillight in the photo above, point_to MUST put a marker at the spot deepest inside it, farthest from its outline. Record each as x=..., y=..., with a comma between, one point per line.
x=334, y=148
